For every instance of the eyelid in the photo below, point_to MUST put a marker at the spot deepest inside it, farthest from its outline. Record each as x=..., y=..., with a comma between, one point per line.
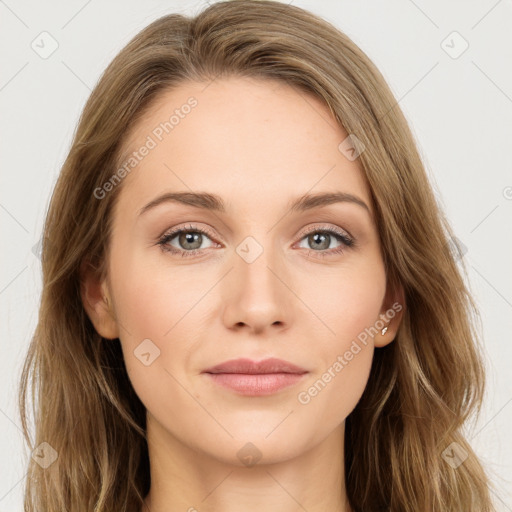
x=346, y=240
x=188, y=227
x=324, y=227
x=304, y=232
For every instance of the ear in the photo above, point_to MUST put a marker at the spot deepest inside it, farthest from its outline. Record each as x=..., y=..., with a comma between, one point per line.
x=391, y=314
x=94, y=290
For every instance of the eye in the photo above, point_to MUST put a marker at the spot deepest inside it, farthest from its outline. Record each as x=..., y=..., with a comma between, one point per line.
x=320, y=239
x=189, y=241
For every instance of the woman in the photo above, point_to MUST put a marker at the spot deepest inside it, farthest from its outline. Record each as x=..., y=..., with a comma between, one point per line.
x=249, y=297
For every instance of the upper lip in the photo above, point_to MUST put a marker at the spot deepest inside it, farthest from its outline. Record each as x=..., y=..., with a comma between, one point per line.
x=247, y=366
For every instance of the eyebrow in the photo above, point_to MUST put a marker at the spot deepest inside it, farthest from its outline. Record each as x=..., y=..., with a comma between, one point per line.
x=214, y=202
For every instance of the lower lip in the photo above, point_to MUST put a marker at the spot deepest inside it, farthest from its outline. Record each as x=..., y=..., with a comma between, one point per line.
x=257, y=384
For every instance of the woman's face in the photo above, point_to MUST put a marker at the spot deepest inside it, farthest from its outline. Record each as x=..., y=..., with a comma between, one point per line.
x=252, y=279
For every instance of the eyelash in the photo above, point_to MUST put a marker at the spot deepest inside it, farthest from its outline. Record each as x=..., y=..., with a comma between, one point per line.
x=347, y=242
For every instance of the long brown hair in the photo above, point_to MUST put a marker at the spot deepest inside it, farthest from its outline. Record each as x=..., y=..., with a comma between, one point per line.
x=404, y=450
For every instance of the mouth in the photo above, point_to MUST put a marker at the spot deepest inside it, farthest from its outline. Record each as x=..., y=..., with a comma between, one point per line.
x=251, y=378
x=256, y=384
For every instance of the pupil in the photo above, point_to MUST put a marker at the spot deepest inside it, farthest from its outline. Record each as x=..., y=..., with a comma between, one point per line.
x=190, y=238
x=320, y=239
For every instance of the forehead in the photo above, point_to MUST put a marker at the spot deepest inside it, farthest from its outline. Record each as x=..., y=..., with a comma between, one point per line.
x=245, y=139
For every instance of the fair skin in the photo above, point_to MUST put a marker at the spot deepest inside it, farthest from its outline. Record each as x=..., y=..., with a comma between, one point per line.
x=258, y=145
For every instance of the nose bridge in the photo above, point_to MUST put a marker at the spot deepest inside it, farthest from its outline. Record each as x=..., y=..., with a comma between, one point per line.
x=255, y=257
x=256, y=294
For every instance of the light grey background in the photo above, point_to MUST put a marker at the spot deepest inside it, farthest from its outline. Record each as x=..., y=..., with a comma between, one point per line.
x=459, y=108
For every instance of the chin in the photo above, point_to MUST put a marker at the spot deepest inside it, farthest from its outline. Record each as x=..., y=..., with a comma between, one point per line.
x=250, y=448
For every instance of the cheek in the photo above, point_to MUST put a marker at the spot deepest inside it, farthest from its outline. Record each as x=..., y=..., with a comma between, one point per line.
x=349, y=307
x=344, y=366
x=333, y=393
x=159, y=310
x=166, y=303
x=152, y=297
x=347, y=301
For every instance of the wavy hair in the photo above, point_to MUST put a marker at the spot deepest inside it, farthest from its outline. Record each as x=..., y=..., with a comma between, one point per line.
x=405, y=433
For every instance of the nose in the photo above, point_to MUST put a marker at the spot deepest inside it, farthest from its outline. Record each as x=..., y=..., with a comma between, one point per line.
x=256, y=293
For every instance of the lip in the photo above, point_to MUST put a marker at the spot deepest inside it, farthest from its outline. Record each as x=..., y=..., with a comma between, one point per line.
x=251, y=378
x=247, y=366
